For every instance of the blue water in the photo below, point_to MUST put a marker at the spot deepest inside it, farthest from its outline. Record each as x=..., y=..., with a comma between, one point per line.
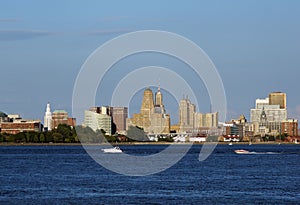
x=67, y=175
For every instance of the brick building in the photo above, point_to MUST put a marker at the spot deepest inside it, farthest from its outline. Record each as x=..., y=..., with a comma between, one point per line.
x=18, y=126
x=61, y=117
x=290, y=127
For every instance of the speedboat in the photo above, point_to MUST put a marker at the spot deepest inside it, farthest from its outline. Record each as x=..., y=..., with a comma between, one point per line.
x=112, y=150
x=241, y=151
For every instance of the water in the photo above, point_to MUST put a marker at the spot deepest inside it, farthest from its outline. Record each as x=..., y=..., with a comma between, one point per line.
x=67, y=175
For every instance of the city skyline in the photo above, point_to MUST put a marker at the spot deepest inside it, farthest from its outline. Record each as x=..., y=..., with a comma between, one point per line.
x=149, y=102
x=260, y=103
x=253, y=45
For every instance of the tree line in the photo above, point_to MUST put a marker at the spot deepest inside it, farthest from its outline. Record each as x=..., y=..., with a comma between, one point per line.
x=67, y=134
x=62, y=134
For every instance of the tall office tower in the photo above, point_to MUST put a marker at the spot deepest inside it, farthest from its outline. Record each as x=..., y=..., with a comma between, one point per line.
x=159, y=106
x=48, y=118
x=158, y=98
x=147, y=103
x=119, y=115
x=186, y=114
x=278, y=98
x=151, y=118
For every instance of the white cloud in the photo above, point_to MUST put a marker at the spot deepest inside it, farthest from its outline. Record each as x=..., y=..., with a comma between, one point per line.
x=12, y=35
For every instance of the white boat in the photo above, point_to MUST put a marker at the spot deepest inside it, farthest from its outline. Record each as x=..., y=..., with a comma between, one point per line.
x=241, y=151
x=230, y=143
x=112, y=150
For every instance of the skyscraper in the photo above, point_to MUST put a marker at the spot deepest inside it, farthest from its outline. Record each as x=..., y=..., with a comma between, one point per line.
x=190, y=120
x=147, y=103
x=152, y=117
x=159, y=106
x=186, y=114
x=119, y=115
x=278, y=98
x=48, y=118
x=158, y=98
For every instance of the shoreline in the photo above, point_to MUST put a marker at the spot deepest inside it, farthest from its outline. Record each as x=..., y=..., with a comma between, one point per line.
x=142, y=143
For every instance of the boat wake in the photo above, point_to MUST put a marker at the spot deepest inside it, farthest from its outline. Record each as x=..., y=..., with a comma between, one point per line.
x=265, y=153
x=242, y=151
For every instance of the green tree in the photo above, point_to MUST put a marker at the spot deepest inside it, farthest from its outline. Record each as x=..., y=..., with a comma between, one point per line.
x=20, y=137
x=35, y=138
x=87, y=135
x=27, y=137
x=48, y=136
x=111, y=138
x=42, y=137
x=135, y=133
x=65, y=131
x=57, y=137
x=9, y=138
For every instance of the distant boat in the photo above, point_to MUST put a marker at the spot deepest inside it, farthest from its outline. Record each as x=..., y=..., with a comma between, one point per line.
x=241, y=151
x=230, y=143
x=112, y=150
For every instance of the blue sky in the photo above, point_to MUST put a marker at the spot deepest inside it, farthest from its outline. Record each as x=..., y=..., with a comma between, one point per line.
x=255, y=46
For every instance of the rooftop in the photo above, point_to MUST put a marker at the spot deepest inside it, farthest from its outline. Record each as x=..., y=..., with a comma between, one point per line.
x=60, y=111
x=2, y=114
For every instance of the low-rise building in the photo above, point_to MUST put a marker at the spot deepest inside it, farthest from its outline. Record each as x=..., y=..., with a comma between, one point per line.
x=21, y=125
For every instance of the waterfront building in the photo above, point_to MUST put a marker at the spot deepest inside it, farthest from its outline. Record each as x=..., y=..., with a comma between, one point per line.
x=152, y=117
x=48, y=118
x=268, y=114
x=21, y=125
x=290, y=127
x=117, y=114
x=98, y=121
x=233, y=129
x=61, y=117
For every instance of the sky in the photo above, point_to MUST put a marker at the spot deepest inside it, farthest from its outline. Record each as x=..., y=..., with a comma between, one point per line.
x=254, y=45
